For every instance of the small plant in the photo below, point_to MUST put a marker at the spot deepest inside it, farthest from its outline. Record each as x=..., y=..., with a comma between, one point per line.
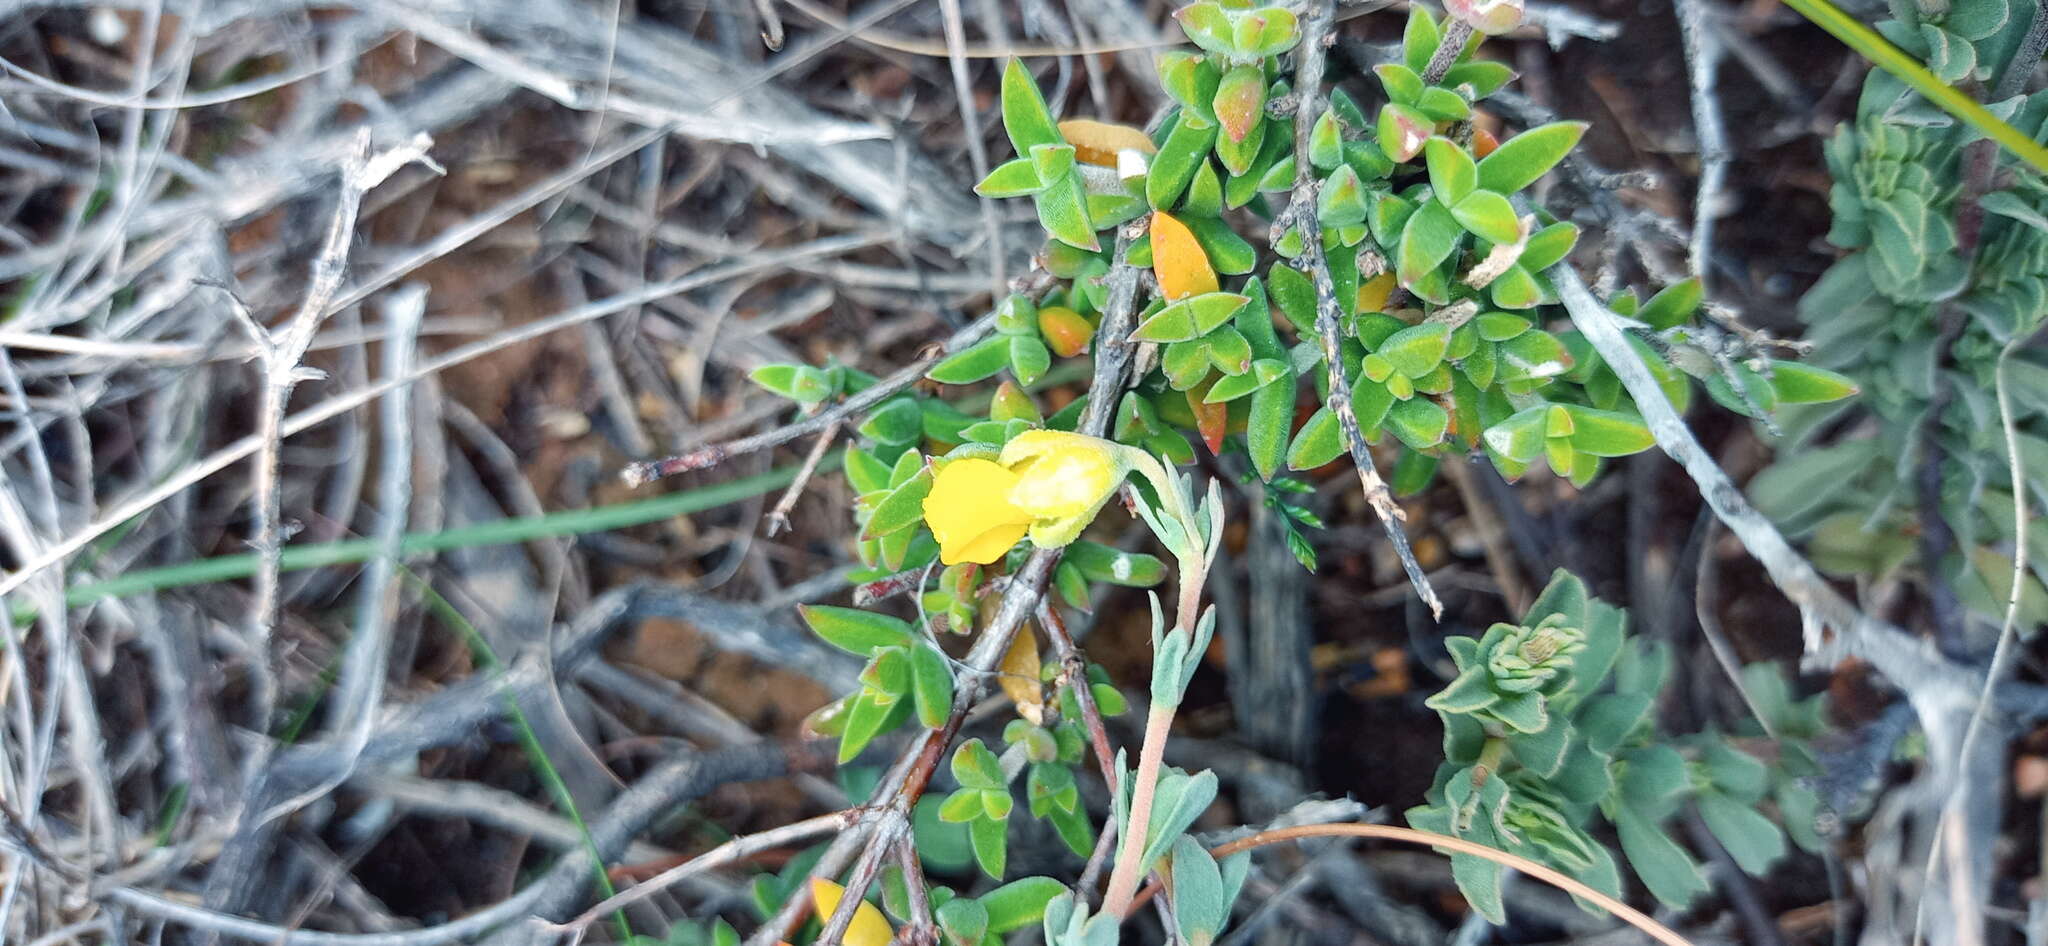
x=1946, y=265
x=1548, y=726
x=1404, y=289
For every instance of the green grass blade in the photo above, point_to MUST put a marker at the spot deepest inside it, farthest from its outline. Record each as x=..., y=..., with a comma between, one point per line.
x=501, y=532
x=1894, y=60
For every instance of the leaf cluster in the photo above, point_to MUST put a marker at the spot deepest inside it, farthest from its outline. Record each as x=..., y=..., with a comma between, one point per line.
x=1549, y=731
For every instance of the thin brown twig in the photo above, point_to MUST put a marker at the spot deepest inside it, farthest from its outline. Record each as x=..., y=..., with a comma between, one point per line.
x=778, y=518
x=1034, y=283
x=1301, y=212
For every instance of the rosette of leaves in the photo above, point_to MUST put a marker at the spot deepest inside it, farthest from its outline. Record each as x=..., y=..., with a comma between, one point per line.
x=1548, y=732
x=1916, y=318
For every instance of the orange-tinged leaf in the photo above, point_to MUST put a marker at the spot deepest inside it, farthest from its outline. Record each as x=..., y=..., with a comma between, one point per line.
x=1018, y=676
x=1211, y=420
x=1098, y=142
x=1177, y=259
x=868, y=927
x=1373, y=293
x=1483, y=142
x=1066, y=331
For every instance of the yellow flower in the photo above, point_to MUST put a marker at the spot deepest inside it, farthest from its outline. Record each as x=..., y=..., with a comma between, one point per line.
x=1063, y=480
x=868, y=928
x=969, y=511
x=1048, y=483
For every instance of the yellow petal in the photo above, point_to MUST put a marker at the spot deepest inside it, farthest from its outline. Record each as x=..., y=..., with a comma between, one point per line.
x=969, y=511
x=985, y=548
x=1098, y=142
x=868, y=928
x=1373, y=293
x=1177, y=259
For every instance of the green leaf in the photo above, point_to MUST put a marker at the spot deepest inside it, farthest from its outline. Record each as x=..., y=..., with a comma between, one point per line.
x=931, y=685
x=887, y=675
x=1548, y=246
x=1029, y=359
x=857, y=632
x=1419, y=40
x=1443, y=105
x=1516, y=289
x=1489, y=216
x=1453, y=175
x=1024, y=113
x=1416, y=350
x=1019, y=903
x=1269, y=423
x=1240, y=101
x=1520, y=437
x=1653, y=778
x=1673, y=305
x=801, y=383
x=1229, y=254
x=1520, y=160
x=1292, y=291
x=1671, y=874
x=1470, y=692
x=964, y=921
x=1798, y=383
x=1267, y=32
x=1522, y=712
x=991, y=845
x=1103, y=563
x=1190, y=79
x=1403, y=85
x=1485, y=76
x=1607, y=719
x=1231, y=387
x=899, y=421
x=974, y=766
x=901, y=509
x=1500, y=326
x=961, y=806
x=983, y=359
x=1402, y=132
x=1750, y=838
x=1189, y=318
x=1063, y=212
x=1016, y=177
x=1173, y=168
x=1204, y=196
x=1370, y=401
x=1430, y=237
x=1341, y=203
x=1608, y=433
x=1542, y=752
x=1209, y=27
x=1319, y=441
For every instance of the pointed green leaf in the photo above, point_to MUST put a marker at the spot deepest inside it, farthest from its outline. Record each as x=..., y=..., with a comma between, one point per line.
x=1520, y=160
x=1024, y=113
x=1452, y=173
x=1429, y=238
x=1489, y=216
x=857, y=632
x=1189, y=318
